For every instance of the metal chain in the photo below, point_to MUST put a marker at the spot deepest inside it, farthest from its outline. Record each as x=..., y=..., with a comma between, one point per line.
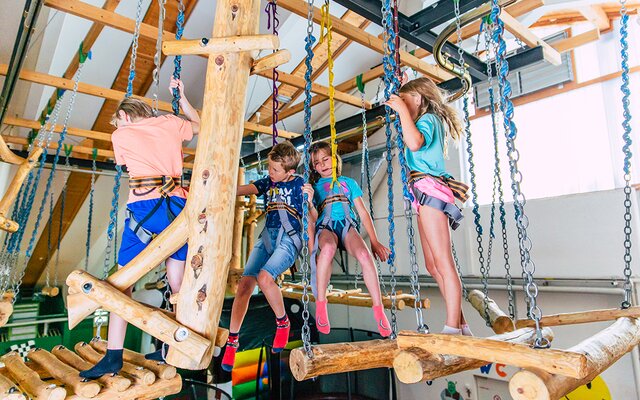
x=87, y=247
x=626, y=149
x=273, y=22
x=177, y=60
x=157, y=57
x=134, y=50
x=49, y=222
x=63, y=201
x=465, y=291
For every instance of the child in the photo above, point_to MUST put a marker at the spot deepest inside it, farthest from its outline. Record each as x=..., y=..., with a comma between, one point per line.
x=151, y=148
x=427, y=122
x=336, y=228
x=276, y=250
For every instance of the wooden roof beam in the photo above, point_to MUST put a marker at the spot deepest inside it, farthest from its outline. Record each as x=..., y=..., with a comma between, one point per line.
x=530, y=39
x=597, y=16
x=515, y=10
x=572, y=42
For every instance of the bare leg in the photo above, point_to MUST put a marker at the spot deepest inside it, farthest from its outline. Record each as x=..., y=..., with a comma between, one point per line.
x=328, y=244
x=358, y=249
x=241, y=302
x=271, y=292
x=117, y=327
x=175, y=273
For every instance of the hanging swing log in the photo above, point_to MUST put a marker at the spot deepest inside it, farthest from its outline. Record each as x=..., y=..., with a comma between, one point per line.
x=342, y=357
x=566, y=363
x=14, y=188
x=600, y=350
x=30, y=381
x=139, y=375
x=6, y=308
x=117, y=383
x=413, y=364
x=500, y=321
x=582, y=317
x=64, y=373
x=9, y=390
x=50, y=291
x=161, y=370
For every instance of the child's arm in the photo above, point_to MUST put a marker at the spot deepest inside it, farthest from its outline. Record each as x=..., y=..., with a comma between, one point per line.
x=413, y=138
x=379, y=250
x=246, y=190
x=187, y=108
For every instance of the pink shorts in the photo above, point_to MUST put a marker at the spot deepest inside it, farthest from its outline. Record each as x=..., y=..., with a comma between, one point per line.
x=432, y=187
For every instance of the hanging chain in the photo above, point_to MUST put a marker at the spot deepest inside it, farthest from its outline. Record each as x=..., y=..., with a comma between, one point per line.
x=177, y=60
x=49, y=230
x=626, y=149
x=134, y=50
x=157, y=57
x=465, y=291
x=272, y=23
x=63, y=201
x=87, y=248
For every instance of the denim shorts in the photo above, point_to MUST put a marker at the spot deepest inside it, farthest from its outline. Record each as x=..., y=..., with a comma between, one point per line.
x=282, y=258
x=131, y=245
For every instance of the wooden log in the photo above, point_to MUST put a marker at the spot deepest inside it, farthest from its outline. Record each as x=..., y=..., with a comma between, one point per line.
x=139, y=375
x=500, y=321
x=150, y=320
x=64, y=373
x=210, y=205
x=271, y=61
x=14, y=188
x=6, y=308
x=572, y=42
x=229, y=44
x=582, y=317
x=50, y=291
x=221, y=337
x=117, y=382
x=563, y=362
x=601, y=350
x=251, y=227
x=356, y=301
x=8, y=389
x=160, y=389
x=29, y=380
x=342, y=357
x=162, y=370
x=413, y=364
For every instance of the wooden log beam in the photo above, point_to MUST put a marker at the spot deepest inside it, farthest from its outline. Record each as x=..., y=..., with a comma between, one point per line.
x=342, y=357
x=64, y=373
x=31, y=124
x=8, y=389
x=50, y=291
x=600, y=350
x=360, y=36
x=53, y=145
x=572, y=42
x=530, y=39
x=413, y=364
x=270, y=61
x=596, y=15
x=251, y=226
x=116, y=382
x=11, y=194
x=556, y=361
x=29, y=380
x=6, y=308
x=230, y=44
x=582, y=317
x=149, y=320
x=500, y=321
x=355, y=300
x=210, y=205
x=160, y=369
x=140, y=376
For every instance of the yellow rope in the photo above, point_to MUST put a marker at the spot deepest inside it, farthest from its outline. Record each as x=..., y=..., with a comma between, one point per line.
x=326, y=24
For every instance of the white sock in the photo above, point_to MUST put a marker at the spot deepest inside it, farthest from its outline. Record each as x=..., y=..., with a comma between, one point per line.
x=447, y=330
x=466, y=331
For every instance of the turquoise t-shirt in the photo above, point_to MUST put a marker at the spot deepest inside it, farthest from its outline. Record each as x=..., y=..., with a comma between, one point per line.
x=323, y=189
x=429, y=159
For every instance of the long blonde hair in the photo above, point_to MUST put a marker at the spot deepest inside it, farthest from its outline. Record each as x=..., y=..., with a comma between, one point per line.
x=432, y=101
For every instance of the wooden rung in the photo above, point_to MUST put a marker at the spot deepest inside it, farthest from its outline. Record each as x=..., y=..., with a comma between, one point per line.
x=342, y=357
x=500, y=321
x=231, y=44
x=117, y=383
x=354, y=300
x=600, y=350
x=413, y=365
x=50, y=291
x=139, y=375
x=555, y=361
x=6, y=308
x=150, y=320
x=8, y=389
x=162, y=370
x=582, y=317
x=29, y=380
x=530, y=39
x=64, y=373
x=271, y=61
x=14, y=188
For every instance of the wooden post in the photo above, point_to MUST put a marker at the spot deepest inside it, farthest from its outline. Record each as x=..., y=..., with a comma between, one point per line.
x=162, y=370
x=601, y=351
x=557, y=361
x=117, y=382
x=214, y=180
x=8, y=390
x=14, y=187
x=251, y=227
x=413, y=365
x=29, y=380
x=582, y=317
x=148, y=319
x=140, y=375
x=6, y=308
x=64, y=373
x=342, y=357
x=500, y=321
x=230, y=44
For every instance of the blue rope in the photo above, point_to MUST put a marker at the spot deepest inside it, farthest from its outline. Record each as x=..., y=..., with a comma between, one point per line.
x=626, y=92
x=177, y=60
x=113, y=214
x=90, y=217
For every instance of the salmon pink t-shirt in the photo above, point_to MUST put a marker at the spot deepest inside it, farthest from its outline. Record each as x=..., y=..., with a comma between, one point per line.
x=152, y=147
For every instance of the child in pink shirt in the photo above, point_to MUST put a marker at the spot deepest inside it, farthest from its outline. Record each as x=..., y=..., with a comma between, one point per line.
x=151, y=148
